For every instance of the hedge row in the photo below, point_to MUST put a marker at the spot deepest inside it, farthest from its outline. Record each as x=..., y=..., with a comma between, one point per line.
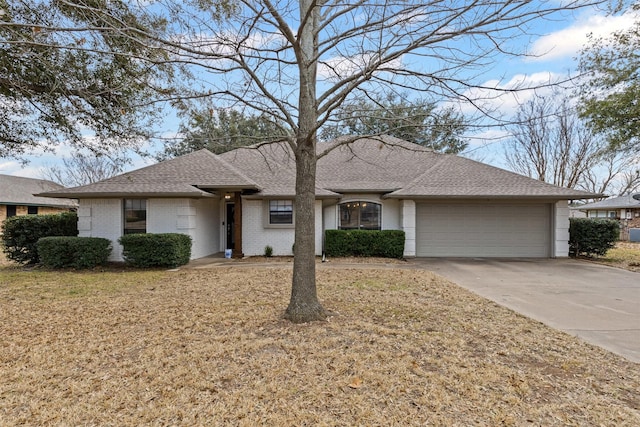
x=156, y=250
x=364, y=243
x=73, y=252
x=21, y=234
x=588, y=236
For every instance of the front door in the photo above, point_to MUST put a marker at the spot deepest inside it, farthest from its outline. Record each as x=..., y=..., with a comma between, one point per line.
x=229, y=220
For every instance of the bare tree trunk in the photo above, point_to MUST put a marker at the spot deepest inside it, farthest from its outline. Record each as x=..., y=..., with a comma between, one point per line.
x=304, y=305
x=256, y=54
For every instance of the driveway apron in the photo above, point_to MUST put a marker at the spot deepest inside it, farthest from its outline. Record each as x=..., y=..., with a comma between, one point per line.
x=599, y=304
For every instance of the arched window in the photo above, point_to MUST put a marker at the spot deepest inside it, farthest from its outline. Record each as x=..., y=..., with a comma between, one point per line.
x=360, y=215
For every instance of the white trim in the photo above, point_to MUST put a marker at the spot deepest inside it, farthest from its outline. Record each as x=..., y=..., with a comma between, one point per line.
x=267, y=214
x=359, y=198
x=560, y=229
x=488, y=228
x=408, y=220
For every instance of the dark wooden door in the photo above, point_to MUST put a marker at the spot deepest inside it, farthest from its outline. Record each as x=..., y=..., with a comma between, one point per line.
x=231, y=241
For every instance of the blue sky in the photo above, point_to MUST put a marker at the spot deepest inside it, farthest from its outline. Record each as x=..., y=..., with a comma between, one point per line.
x=555, y=45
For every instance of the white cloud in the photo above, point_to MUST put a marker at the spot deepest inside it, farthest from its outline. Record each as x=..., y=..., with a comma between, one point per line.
x=15, y=168
x=46, y=155
x=486, y=138
x=568, y=42
x=9, y=166
x=502, y=98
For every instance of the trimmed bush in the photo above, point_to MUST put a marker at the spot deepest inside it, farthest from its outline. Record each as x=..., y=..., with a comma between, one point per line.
x=364, y=243
x=21, y=234
x=591, y=237
x=73, y=252
x=268, y=251
x=156, y=250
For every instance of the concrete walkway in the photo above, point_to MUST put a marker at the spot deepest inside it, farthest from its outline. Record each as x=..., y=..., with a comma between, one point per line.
x=597, y=303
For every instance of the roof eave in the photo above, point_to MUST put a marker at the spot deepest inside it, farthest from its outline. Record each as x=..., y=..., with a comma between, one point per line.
x=605, y=207
x=363, y=190
x=122, y=194
x=230, y=188
x=485, y=196
x=43, y=204
x=272, y=196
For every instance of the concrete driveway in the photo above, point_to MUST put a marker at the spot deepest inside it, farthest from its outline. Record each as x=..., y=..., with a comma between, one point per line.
x=596, y=303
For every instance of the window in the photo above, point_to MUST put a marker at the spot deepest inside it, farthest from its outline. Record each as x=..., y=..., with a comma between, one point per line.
x=603, y=214
x=360, y=215
x=135, y=216
x=32, y=210
x=280, y=212
x=11, y=211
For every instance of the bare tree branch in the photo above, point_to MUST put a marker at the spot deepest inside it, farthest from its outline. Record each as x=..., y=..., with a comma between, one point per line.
x=550, y=143
x=297, y=61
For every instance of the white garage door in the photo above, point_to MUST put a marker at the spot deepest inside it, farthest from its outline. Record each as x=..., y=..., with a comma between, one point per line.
x=483, y=230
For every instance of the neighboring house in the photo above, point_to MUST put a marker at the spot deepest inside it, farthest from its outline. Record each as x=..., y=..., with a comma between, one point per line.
x=625, y=209
x=17, y=197
x=244, y=200
x=574, y=213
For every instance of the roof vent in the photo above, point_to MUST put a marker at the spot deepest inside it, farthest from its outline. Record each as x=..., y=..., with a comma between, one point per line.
x=636, y=196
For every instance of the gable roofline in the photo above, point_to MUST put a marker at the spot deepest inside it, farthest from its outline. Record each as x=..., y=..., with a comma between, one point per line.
x=382, y=190
x=395, y=168
x=232, y=168
x=541, y=197
x=185, y=176
x=287, y=196
x=136, y=194
x=626, y=201
x=22, y=191
x=410, y=171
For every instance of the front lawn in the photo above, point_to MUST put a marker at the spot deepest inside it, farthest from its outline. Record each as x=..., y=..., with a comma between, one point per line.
x=3, y=259
x=208, y=347
x=625, y=255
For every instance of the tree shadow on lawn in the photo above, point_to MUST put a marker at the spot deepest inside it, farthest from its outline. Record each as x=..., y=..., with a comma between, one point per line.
x=210, y=346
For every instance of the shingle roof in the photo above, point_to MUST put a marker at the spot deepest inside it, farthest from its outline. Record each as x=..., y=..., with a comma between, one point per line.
x=273, y=166
x=407, y=170
x=16, y=190
x=383, y=165
x=179, y=177
x=387, y=165
x=621, y=202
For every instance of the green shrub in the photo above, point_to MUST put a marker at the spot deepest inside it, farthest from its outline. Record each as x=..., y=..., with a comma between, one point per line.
x=592, y=236
x=268, y=251
x=21, y=234
x=365, y=243
x=73, y=252
x=156, y=250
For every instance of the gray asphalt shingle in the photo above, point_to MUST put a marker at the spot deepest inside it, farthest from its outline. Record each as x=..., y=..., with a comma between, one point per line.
x=177, y=177
x=16, y=190
x=409, y=171
x=387, y=165
x=621, y=202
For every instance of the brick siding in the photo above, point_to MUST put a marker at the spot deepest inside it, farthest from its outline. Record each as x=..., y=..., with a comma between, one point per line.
x=22, y=210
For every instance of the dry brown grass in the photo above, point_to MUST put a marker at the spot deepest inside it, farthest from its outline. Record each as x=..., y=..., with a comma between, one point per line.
x=208, y=347
x=625, y=255
x=3, y=259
